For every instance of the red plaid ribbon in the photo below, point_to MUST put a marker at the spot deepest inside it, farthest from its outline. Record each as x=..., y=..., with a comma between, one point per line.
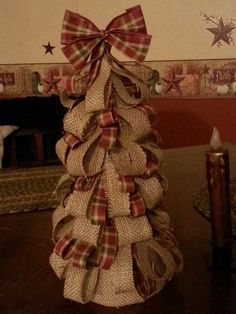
x=84, y=254
x=72, y=140
x=108, y=247
x=83, y=184
x=97, y=212
x=137, y=205
x=83, y=41
x=127, y=184
x=65, y=246
x=107, y=121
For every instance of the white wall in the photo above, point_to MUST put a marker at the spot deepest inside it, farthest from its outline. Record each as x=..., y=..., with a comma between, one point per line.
x=176, y=26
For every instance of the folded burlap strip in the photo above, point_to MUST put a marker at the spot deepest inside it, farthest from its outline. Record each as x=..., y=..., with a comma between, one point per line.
x=78, y=202
x=134, y=124
x=85, y=231
x=94, y=99
x=142, y=87
x=59, y=265
x=116, y=285
x=161, y=223
x=150, y=190
x=77, y=121
x=62, y=223
x=86, y=159
x=155, y=150
x=132, y=229
x=118, y=202
x=154, y=260
x=129, y=159
x=80, y=283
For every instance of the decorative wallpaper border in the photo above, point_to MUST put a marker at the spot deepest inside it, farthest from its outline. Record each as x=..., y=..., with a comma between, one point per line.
x=184, y=78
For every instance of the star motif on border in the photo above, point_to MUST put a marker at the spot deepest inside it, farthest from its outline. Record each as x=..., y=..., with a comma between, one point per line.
x=205, y=69
x=48, y=48
x=173, y=82
x=221, y=32
x=52, y=84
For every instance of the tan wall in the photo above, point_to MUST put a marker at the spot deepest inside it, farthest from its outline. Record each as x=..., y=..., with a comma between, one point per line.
x=176, y=26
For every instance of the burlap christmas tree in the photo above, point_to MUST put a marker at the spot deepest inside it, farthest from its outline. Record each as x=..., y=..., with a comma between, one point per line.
x=114, y=241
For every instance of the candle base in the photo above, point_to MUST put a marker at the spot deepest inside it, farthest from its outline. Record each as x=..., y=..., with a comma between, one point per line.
x=222, y=258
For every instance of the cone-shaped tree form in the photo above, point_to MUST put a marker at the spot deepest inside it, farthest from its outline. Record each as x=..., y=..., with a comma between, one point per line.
x=114, y=241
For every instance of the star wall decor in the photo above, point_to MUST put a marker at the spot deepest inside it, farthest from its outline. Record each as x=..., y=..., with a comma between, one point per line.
x=173, y=82
x=52, y=84
x=221, y=32
x=48, y=48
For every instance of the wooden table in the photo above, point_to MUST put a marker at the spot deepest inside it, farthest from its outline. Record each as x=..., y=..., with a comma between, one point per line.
x=29, y=286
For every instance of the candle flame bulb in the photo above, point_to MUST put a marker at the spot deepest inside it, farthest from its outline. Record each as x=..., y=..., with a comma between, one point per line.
x=215, y=141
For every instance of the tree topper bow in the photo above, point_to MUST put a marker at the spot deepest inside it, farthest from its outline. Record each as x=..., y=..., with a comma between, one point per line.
x=85, y=44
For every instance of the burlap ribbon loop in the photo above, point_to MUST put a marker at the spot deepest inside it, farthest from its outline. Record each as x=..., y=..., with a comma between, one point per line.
x=85, y=160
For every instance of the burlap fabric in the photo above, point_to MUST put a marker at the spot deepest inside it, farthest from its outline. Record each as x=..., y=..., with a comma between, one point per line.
x=156, y=254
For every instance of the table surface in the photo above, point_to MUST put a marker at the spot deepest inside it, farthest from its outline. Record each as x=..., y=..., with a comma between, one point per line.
x=29, y=286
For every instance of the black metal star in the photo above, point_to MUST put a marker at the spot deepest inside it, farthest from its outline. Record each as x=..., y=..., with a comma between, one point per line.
x=52, y=83
x=221, y=32
x=48, y=48
x=173, y=82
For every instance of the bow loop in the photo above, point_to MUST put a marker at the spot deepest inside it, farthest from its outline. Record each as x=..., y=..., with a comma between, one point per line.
x=85, y=44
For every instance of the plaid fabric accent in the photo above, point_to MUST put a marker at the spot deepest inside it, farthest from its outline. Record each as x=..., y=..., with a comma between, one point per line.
x=107, y=121
x=83, y=41
x=137, y=206
x=106, y=118
x=151, y=165
x=72, y=140
x=81, y=254
x=107, y=247
x=127, y=184
x=108, y=137
x=83, y=184
x=65, y=246
x=98, y=210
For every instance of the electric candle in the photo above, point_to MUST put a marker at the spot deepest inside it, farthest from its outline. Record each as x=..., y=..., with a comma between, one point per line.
x=217, y=165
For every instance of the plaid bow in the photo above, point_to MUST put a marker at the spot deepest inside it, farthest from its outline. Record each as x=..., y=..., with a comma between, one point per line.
x=84, y=255
x=83, y=41
x=107, y=122
x=137, y=205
